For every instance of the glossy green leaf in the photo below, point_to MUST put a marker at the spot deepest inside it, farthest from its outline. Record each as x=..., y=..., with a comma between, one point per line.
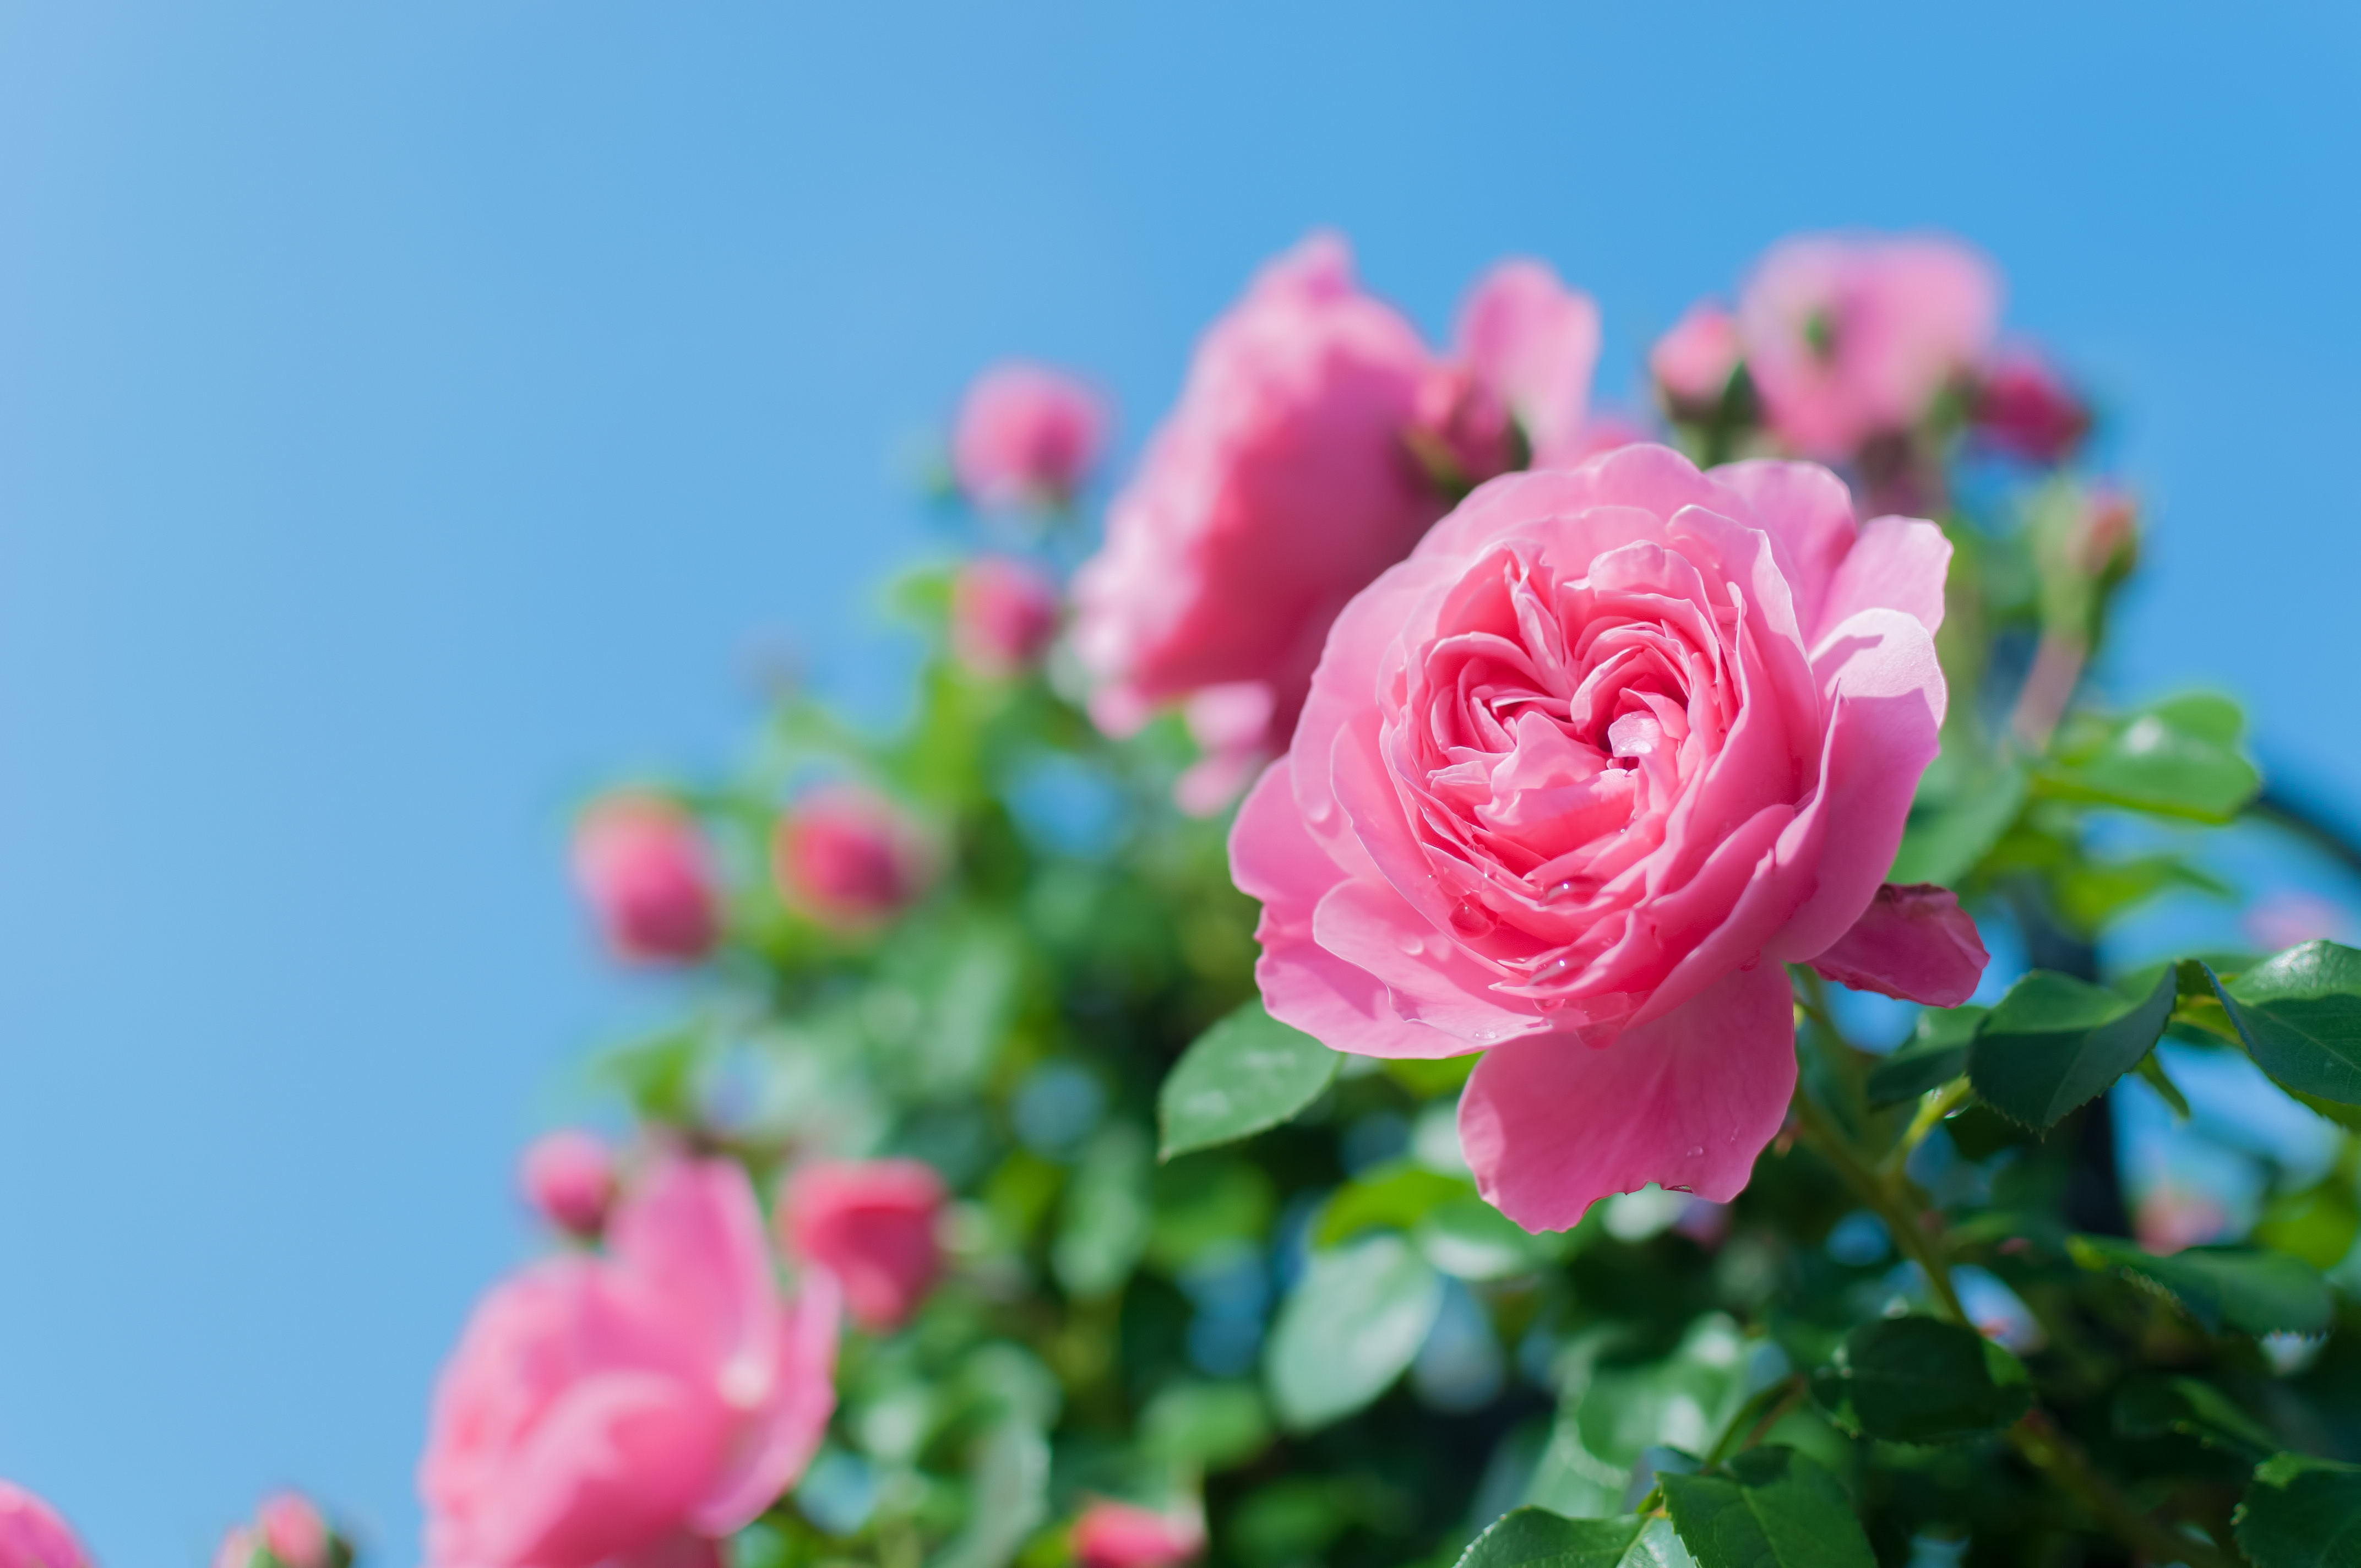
x=2177, y=758
x=1934, y=1055
x=1397, y=1194
x=1351, y=1326
x=2299, y=1015
x=2244, y=1288
x=1612, y=1410
x=2155, y=1406
x=1768, y=1508
x=1468, y=1238
x=2301, y=1512
x=1536, y=1538
x=1247, y=1073
x=1915, y=1379
x=2054, y=1042
x=1216, y=1425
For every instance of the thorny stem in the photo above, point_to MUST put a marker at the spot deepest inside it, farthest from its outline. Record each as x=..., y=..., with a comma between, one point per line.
x=1884, y=1189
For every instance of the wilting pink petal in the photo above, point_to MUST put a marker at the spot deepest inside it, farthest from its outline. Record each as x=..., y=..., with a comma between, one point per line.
x=1551, y=1127
x=1913, y=942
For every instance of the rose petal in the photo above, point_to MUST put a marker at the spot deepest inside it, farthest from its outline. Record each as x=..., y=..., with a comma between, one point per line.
x=1899, y=564
x=1808, y=512
x=1913, y=942
x=1551, y=1127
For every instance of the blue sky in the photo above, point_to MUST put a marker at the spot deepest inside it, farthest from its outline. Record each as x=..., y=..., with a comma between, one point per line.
x=411, y=414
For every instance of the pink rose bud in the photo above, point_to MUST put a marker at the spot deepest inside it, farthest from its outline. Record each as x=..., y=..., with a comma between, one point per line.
x=569, y=1178
x=871, y=1224
x=635, y=1404
x=1847, y=338
x=849, y=857
x=1574, y=781
x=1693, y=363
x=2106, y=532
x=2023, y=408
x=33, y=1536
x=1003, y=613
x=1026, y=437
x=287, y=1527
x=641, y=867
x=1121, y=1535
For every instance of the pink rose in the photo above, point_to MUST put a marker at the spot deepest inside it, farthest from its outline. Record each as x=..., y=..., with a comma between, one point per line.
x=1693, y=363
x=1026, y=436
x=641, y=867
x=288, y=1526
x=1003, y=613
x=1848, y=338
x=871, y=1225
x=849, y=857
x=1574, y=781
x=1123, y=1535
x=626, y=1410
x=33, y=1536
x=2170, y=1218
x=1285, y=481
x=2023, y=408
x=569, y=1178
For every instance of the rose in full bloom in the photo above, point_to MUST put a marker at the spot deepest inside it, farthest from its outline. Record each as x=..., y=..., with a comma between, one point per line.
x=871, y=1224
x=849, y=857
x=1003, y=613
x=1693, y=363
x=1026, y=436
x=569, y=1178
x=1572, y=783
x=1124, y=1535
x=33, y=1536
x=1289, y=476
x=1848, y=338
x=2023, y=407
x=287, y=1527
x=630, y=1409
x=642, y=868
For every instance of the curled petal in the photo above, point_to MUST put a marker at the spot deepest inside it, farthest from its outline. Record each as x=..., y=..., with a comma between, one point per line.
x=1550, y=1126
x=1913, y=942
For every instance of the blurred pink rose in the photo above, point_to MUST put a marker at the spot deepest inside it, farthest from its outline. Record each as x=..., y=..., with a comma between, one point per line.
x=1693, y=363
x=625, y=1410
x=32, y=1535
x=1284, y=481
x=1848, y=337
x=288, y=1526
x=849, y=857
x=2287, y=918
x=2023, y=408
x=2170, y=1218
x=871, y=1224
x=1574, y=781
x=569, y=1178
x=1026, y=437
x=1123, y=1535
x=1003, y=613
x=641, y=867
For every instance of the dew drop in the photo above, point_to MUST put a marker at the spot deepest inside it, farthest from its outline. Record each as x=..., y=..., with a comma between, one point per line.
x=1472, y=919
x=1697, y=1151
x=1411, y=943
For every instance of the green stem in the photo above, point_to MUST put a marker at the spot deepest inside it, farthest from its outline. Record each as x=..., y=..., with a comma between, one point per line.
x=1933, y=1106
x=1827, y=1140
x=1758, y=1415
x=2058, y=1456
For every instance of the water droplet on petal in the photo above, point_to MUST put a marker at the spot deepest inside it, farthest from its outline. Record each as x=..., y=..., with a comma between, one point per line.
x=1693, y=1153
x=1411, y=943
x=1472, y=919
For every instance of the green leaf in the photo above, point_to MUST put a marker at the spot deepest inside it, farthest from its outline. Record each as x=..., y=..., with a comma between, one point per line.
x=2177, y=758
x=2055, y=1042
x=1468, y=1238
x=1352, y=1323
x=2154, y=1406
x=1936, y=1054
x=2245, y=1287
x=1216, y=1425
x=1768, y=1508
x=1247, y=1073
x=2301, y=1512
x=1107, y=1217
x=1397, y=1194
x=1611, y=1410
x=1008, y=1497
x=1916, y=1379
x=1536, y=1538
x=2299, y=1015
x=1946, y=839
